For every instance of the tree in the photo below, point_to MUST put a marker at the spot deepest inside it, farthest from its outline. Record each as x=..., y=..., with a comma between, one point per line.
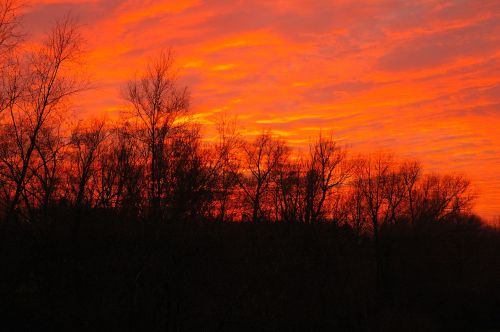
x=289, y=191
x=260, y=158
x=158, y=104
x=130, y=185
x=327, y=169
x=442, y=196
x=356, y=207
x=394, y=193
x=118, y=178
x=9, y=24
x=221, y=165
x=46, y=83
x=411, y=173
x=373, y=176
x=190, y=177
x=47, y=180
x=85, y=143
x=373, y=179
x=10, y=38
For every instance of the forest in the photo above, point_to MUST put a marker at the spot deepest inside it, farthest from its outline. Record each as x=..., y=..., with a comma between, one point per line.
x=140, y=222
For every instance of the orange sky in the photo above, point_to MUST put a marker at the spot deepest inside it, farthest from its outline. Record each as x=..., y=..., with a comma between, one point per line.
x=420, y=78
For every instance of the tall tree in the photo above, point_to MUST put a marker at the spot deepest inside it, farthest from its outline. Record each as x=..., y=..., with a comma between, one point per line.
x=261, y=158
x=158, y=103
x=327, y=169
x=411, y=173
x=289, y=191
x=373, y=176
x=221, y=163
x=85, y=142
x=46, y=83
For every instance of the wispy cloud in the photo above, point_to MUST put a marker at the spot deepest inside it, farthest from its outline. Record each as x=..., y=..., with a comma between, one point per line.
x=418, y=77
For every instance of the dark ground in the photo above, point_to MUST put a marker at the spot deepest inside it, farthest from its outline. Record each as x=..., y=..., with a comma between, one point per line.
x=208, y=276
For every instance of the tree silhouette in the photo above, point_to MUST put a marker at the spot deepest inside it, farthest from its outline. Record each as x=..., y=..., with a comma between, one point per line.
x=46, y=84
x=290, y=191
x=223, y=164
x=326, y=170
x=157, y=105
x=261, y=158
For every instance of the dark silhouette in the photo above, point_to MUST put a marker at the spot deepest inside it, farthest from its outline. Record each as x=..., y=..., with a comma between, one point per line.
x=141, y=225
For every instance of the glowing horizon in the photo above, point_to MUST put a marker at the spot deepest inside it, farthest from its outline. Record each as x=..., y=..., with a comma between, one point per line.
x=420, y=79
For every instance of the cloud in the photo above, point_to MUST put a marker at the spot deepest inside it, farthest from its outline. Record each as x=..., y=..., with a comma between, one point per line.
x=443, y=48
x=417, y=77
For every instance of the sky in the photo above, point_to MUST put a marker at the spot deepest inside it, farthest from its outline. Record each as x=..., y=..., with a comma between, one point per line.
x=418, y=78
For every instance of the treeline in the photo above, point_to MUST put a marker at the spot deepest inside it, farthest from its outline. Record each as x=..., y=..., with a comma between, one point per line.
x=152, y=164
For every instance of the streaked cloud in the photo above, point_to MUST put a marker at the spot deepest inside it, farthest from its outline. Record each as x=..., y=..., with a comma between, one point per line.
x=418, y=77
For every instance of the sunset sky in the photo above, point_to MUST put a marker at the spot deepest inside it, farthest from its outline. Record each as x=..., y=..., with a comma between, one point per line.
x=418, y=78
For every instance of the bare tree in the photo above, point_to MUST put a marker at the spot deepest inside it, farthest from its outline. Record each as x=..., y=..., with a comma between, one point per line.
x=327, y=169
x=440, y=197
x=47, y=83
x=106, y=178
x=9, y=24
x=260, y=158
x=46, y=169
x=411, y=173
x=356, y=207
x=222, y=162
x=119, y=176
x=9, y=65
x=289, y=191
x=394, y=193
x=85, y=143
x=158, y=103
x=373, y=176
x=131, y=187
